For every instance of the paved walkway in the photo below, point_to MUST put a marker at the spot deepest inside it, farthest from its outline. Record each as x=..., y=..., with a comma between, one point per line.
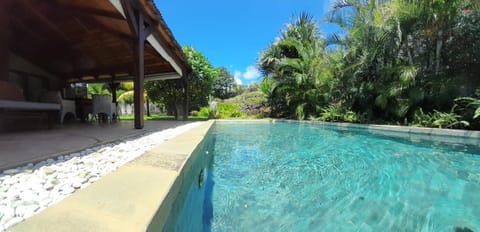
x=20, y=148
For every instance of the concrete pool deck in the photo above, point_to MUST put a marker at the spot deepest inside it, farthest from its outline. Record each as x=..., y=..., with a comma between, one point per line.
x=19, y=148
x=129, y=198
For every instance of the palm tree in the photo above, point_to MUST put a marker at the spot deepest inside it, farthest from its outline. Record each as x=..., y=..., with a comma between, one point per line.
x=126, y=95
x=295, y=66
x=97, y=89
x=394, y=54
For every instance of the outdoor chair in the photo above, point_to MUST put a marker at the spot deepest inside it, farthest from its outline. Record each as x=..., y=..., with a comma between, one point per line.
x=66, y=106
x=103, y=106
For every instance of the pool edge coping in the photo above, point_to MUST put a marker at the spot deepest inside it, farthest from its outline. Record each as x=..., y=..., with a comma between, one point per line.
x=104, y=205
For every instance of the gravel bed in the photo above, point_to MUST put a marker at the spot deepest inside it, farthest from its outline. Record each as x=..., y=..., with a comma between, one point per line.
x=27, y=190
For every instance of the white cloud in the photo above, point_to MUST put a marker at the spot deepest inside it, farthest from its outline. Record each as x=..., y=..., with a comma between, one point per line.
x=251, y=73
x=238, y=81
x=237, y=75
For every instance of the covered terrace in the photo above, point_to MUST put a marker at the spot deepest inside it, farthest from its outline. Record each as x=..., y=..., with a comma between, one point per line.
x=48, y=45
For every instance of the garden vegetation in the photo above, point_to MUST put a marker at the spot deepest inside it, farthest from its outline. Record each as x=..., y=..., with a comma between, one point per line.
x=395, y=62
x=407, y=62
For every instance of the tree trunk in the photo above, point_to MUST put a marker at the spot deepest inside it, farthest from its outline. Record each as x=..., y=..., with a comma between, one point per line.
x=438, y=52
x=175, y=110
x=148, y=107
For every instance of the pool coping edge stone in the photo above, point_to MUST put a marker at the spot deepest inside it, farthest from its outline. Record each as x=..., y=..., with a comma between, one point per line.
x=126, y=199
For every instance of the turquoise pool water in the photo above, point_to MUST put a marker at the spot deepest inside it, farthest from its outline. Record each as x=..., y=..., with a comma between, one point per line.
x=304, y=177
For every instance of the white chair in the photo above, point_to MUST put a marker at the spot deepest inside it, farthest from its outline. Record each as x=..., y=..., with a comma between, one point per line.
x=102, y=104
x=66, y=106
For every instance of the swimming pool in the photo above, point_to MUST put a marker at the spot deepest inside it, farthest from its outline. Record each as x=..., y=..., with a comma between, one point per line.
x=306, y=177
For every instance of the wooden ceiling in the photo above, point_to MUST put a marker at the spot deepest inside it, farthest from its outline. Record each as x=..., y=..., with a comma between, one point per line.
x=80, y=40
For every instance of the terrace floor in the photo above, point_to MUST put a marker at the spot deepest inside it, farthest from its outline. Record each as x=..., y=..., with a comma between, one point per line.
x=19, y=148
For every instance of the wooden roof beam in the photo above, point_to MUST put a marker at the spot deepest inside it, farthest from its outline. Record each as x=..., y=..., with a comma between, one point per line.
x=27, y=4
x=83, y=14
x=113, y=32
x=22, y=26
x=131, y=15
x=88, y=11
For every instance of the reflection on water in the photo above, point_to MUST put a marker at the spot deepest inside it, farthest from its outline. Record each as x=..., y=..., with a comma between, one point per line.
x=294, y=177
x=193, y=209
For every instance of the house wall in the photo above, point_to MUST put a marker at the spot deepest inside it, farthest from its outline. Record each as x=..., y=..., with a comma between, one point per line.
x=31, y=78
x=25, y=82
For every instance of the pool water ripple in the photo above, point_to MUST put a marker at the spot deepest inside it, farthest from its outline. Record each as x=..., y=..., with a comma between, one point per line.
x=302, y=177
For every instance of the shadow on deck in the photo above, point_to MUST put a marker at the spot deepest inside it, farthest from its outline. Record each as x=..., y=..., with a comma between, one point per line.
x=19, y=148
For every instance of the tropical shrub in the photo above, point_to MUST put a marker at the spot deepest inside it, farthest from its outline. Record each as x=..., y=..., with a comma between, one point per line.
x=421, y=119
x=338, y=113
x=448, y=120
x=391, y=59
x=252, y=103
x=229, y=110
x=194, y=113
x=439, y=119
x=206, y=112
x=469, y=106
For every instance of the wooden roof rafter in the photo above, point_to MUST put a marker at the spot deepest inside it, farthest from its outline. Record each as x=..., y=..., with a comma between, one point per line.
x=44, y=20
x=75, y=38
x=89, y=11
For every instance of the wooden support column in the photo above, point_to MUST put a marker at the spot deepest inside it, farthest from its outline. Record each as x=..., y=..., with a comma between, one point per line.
x=113, y=87
x=114, y=92
x=5, y=15
x=139, y=46
x=136, y=23
x=148, y=106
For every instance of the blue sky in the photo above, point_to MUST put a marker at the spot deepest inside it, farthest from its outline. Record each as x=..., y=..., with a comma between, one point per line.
x=233, y=33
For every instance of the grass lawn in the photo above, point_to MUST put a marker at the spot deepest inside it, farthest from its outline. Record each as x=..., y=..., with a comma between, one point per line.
x=164, y=117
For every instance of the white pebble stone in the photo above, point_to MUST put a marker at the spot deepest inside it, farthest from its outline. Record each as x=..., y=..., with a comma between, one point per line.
x=8, y=213
x=77, y=184
x=25, y=211
x=93, y=179
x=12, y=222
x=10, y=171
x=10, y=181
x=49, y=170
x=68, y=190
x=34, y=187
